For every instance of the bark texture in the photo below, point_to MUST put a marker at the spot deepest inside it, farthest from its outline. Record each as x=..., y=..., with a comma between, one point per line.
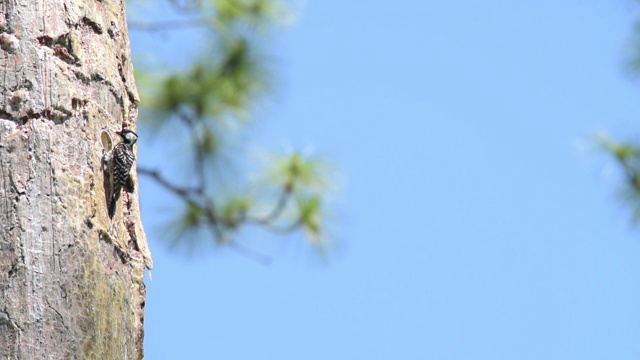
x=71, y=279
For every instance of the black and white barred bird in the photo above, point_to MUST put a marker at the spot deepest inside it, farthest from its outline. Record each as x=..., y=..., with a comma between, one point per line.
x=122, y=159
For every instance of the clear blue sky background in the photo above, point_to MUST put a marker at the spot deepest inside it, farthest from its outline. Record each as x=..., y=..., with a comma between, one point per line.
x=475, y=219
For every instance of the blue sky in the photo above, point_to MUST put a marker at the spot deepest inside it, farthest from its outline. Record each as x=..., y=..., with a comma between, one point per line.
x=475, y=220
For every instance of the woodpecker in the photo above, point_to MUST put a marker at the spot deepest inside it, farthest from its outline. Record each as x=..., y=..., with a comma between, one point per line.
x=121, y=160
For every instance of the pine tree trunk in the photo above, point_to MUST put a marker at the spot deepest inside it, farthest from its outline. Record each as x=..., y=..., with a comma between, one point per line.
x=72, y=279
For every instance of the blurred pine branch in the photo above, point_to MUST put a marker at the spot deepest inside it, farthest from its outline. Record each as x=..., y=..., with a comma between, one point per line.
x=206, y=104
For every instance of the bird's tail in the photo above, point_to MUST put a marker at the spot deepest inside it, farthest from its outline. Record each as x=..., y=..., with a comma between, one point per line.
x=112, y=205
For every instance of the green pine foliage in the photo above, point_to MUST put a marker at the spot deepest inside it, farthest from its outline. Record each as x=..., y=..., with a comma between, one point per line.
x=627, y=152
x=209, y=103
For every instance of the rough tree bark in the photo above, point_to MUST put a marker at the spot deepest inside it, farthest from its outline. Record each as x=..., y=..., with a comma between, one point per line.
x=71, y=278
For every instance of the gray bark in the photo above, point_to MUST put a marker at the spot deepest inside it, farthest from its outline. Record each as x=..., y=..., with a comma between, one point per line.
x=71, y=279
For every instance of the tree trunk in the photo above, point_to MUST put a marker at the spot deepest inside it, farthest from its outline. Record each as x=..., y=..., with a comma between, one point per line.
x=72, y=279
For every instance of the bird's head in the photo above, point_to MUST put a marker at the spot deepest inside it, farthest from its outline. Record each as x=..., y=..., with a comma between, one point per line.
x=129, y=136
